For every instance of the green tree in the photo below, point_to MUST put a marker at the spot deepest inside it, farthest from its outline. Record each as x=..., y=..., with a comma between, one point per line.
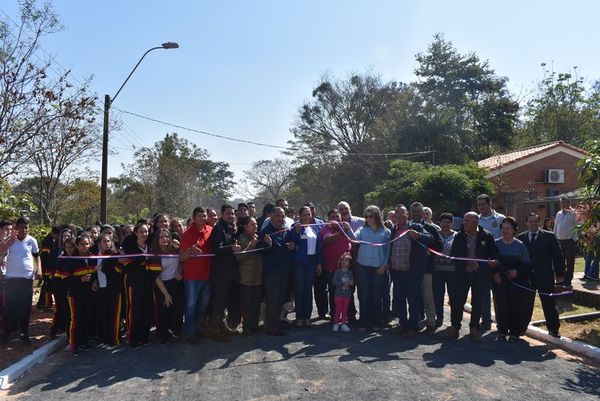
x=444, y=188
x=80, y=203
x=562, y=109
x=13, y=205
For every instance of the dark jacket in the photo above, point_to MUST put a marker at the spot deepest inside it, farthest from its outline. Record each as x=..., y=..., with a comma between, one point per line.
x=546, y=259
x=277, y=258
x=72, y=270
x=134, y=267
x=418, y=250
x=222, y=238
x=485, y=249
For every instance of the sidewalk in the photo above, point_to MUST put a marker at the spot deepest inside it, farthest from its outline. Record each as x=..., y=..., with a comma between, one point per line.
x=587, y=292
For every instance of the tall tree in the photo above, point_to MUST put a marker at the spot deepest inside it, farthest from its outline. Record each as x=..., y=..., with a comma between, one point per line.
x=268, y=180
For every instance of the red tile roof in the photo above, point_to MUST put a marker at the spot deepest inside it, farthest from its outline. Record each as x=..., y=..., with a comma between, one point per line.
x=503, y=159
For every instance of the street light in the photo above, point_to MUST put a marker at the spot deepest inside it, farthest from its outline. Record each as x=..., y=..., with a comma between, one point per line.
x=107, y=103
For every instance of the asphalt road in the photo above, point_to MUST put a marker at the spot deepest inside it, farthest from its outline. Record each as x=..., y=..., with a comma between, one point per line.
x=314, y=364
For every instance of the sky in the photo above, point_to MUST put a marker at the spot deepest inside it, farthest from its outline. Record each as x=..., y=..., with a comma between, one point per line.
x=244, y=67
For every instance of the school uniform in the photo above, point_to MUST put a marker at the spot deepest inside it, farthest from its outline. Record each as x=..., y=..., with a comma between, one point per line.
x=169, y=320
x=110, y=281
x=60, y=317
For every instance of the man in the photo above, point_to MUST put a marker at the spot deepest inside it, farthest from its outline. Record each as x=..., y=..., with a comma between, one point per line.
x=346, y=215
x=547, y=264
x=196, y=272
x=225, y=275
x=251, y=209
x=416, y=215
x=335, y=244
x=444, y=272
x=211, y=217
x=564, y=228
x=473, y=241
x=287, y=221
x=22, y=266
x=491, y=221
x=428, y=217
x=408, y=264
x=277, y=267
x=242, y=210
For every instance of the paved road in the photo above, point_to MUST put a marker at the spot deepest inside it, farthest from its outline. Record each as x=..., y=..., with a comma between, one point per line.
x=314, y=364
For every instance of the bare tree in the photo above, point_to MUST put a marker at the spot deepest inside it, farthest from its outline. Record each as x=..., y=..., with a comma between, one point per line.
x=268, y=179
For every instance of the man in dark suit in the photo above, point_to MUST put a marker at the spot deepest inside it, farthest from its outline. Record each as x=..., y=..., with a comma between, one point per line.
x=546, y=262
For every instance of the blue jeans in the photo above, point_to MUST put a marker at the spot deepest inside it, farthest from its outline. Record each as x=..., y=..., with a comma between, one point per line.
x=441, y=280
x=197, y=294
x=407, y=288
x=370, y=289
x=591, y=265
x=304, y=278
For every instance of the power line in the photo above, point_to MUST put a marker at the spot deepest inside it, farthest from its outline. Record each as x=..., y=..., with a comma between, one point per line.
x=201, y=131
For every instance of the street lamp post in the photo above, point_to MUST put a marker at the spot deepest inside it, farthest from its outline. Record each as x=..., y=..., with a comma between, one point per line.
x=107, y=103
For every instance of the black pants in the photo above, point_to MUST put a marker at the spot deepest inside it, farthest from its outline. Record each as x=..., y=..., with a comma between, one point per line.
x=82, y=318
x=16, y=305
x=464, y=282
x=251, y=296
x=109, y=314
x=141, y=310
x=511, y=307
x=324, y=293
x=60, y=317
x=225, y=291
x=45, y=299
x=276, y=294
x=234, y=306
x=170, y=318
x=568, y=248
x=549, y=307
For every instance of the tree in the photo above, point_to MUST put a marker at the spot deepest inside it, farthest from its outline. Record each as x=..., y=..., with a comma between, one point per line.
x=13, y=205
x=562, y=109
x=444, y=188
x=268, y=180
x=176, y=176
x=30, y=101
x=80, y=203
x=463, y=95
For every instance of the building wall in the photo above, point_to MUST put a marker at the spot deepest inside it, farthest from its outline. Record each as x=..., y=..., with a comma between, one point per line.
x=515, y=187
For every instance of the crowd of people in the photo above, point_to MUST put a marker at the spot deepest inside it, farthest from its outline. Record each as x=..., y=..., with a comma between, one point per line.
x=221, y=274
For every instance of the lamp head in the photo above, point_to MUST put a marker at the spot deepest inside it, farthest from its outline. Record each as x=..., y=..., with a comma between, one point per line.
x=170, y=45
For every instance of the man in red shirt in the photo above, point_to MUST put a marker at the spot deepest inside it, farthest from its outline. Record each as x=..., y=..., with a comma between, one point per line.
x=335, y=243
x=196, y=272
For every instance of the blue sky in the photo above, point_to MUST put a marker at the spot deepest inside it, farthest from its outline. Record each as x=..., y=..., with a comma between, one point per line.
x=244, y=67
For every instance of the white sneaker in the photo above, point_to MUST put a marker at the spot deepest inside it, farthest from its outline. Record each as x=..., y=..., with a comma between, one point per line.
x=336, y=327
x=345, y=328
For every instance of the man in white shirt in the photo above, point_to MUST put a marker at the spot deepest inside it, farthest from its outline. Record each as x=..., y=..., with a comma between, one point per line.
x=22, y=266
x=564, y=229
x=490, y=220
x=346, y=214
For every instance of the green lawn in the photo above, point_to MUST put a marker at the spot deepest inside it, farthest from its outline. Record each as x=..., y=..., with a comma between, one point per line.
x=579, y=264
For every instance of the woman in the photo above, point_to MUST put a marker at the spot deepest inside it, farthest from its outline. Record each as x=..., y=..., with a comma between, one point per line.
x=139, y=283
x=64, y=246
x=307, y=264
x=79, y=275
x=250, y=265
x=177, y=228
x=169, y=286
x=509, y=299
x=109, y=283
x=371, y=267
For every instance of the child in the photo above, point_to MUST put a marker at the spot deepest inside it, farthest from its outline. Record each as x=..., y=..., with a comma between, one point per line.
x=343, y=282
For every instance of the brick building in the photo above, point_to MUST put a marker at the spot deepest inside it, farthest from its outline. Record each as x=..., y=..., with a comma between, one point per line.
x=528, y=180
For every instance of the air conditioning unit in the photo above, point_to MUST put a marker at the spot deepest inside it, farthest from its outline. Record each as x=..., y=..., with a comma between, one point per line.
x=554, y=176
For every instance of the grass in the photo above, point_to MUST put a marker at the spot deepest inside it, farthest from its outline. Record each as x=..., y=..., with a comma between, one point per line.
x=565, y=307
x=579, y=264
x=587, y=332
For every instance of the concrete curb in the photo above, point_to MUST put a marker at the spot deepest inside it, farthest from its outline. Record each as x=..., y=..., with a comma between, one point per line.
x=564, y=343
x=14, y=371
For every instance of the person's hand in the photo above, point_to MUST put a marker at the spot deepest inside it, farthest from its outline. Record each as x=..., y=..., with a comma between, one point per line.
x=268, y=240
x=319, y=269
x=95, y=286
x=382, y=270
x=291, y=246
x=194, y=250
x=168, y=300
x=178, y=276
x=346, y=226
x=493, y=263
x=38, y=276
x=236, y=247
x=86, y=278
x=413, y=234
x=253, y=242
x=560, y=279
x=175, y=242
x=298, y=227
x=512, y=273
x=496, y=277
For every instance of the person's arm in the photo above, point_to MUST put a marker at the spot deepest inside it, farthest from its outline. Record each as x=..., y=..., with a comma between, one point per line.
x=219, y=243
x=161, y=286
x=558, y=260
